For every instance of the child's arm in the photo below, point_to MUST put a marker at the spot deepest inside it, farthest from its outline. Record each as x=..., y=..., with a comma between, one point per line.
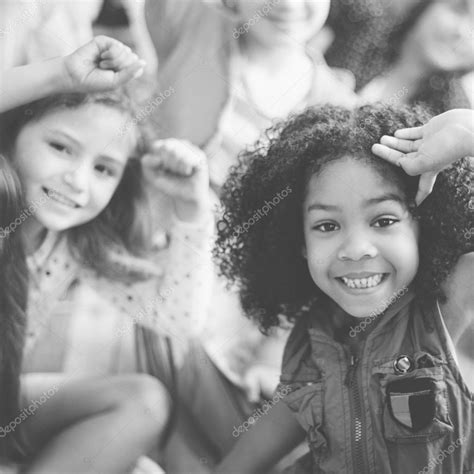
x=100, y=65
x=267, y=441
x=429, y=149
x=179, y=170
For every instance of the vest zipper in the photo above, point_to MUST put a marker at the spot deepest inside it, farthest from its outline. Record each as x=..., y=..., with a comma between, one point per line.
x=357, y=424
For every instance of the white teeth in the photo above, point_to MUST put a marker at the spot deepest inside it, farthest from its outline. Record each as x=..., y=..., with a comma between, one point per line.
x=368, y=282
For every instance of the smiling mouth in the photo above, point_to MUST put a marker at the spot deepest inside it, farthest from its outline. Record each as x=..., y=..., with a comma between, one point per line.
x=363, y=283
x=60, y=198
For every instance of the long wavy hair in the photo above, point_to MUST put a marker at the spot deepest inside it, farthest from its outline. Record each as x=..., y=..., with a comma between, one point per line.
x=122, y=229
x=13, y=300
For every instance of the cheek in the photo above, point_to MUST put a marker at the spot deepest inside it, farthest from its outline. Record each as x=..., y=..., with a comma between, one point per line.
x=319, y=258
x=33, y=165
x=101, y=195
x=403, y=254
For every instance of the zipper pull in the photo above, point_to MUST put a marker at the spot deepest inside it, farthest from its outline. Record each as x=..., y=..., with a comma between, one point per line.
x=351, y=371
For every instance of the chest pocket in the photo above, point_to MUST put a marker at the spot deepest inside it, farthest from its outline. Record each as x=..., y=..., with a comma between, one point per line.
x=415, y=405
x=306, y=401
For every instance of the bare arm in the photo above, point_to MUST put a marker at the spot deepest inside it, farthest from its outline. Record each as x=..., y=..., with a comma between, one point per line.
x=25, y=84
x=271, y=438
x=100, y=65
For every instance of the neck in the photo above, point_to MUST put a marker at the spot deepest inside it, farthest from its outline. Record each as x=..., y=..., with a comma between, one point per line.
x=33, y=235
x=348, y=329
x=275, y=58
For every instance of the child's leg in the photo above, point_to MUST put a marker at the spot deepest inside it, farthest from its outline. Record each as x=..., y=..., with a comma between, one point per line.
x=93, y=425
x=209, y=409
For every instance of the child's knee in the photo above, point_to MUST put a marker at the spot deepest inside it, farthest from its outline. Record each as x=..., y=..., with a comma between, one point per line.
x=147, y=398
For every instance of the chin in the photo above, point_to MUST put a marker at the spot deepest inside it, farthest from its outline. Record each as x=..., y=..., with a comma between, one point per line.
x=54, y=224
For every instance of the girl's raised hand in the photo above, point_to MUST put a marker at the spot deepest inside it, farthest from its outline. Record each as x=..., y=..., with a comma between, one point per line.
x=100, y=65
x=428, y=149
x=179, y=169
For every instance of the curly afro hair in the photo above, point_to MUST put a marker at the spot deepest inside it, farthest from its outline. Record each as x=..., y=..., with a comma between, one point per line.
x=260, y=233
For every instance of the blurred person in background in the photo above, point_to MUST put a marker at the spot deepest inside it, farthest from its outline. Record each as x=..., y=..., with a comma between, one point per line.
x=34, y=30
x=237, y=69
x=408, y=51
x=429, y=54
x=361, y=29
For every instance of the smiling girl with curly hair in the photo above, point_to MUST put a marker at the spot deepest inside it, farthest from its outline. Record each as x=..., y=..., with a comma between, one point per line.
x=374, y=280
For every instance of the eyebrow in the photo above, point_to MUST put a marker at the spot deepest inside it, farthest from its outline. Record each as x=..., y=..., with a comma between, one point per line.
x=78, y=144
x=113, y=160
x=368, y=202
x=65, y=135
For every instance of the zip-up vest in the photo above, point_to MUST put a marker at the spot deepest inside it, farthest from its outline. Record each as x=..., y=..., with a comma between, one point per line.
x=399, y=407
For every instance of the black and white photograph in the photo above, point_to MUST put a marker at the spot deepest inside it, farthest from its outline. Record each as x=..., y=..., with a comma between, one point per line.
x=236, y=237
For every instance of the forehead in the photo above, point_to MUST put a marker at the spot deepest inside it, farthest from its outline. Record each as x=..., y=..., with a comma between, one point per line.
x=350, y=180
x=93, y=126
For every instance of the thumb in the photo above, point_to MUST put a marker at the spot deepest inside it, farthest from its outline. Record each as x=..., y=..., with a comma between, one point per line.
x=425, y=186
x=252, y=387
x=133, y=71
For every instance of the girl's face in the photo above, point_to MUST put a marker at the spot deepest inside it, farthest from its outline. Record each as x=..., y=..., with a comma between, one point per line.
x=360, y=240
x=275, y=22
x=443, y=36
x=70, y=162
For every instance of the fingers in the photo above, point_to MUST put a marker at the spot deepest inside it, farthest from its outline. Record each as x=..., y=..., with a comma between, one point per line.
x=175, y=156
x=425, y=186
x=413, y=133
x=146, y=466
x=132, y=72
x=116, y=56
x=405, y=146
x=122, y=59
x=109, y=48
x=387, y=153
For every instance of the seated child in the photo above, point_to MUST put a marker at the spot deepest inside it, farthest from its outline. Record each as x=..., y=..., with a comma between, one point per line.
x=377, y=373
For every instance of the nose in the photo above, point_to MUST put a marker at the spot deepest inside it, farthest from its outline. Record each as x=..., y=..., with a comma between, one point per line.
x=77, y=179
x=356, y=246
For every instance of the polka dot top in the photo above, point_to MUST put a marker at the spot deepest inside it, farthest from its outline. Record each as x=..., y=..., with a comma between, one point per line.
x=173, y=299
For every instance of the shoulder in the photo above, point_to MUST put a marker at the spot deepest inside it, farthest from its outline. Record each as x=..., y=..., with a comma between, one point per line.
x=296, y=349
x=458, y=310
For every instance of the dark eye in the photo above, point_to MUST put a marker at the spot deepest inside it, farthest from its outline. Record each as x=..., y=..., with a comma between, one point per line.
x=326, y=227
x=385, y=222
x=59, y=147
x=105, y=170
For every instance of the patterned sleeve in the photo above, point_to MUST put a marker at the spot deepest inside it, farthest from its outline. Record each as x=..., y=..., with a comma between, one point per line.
x=174, y=299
